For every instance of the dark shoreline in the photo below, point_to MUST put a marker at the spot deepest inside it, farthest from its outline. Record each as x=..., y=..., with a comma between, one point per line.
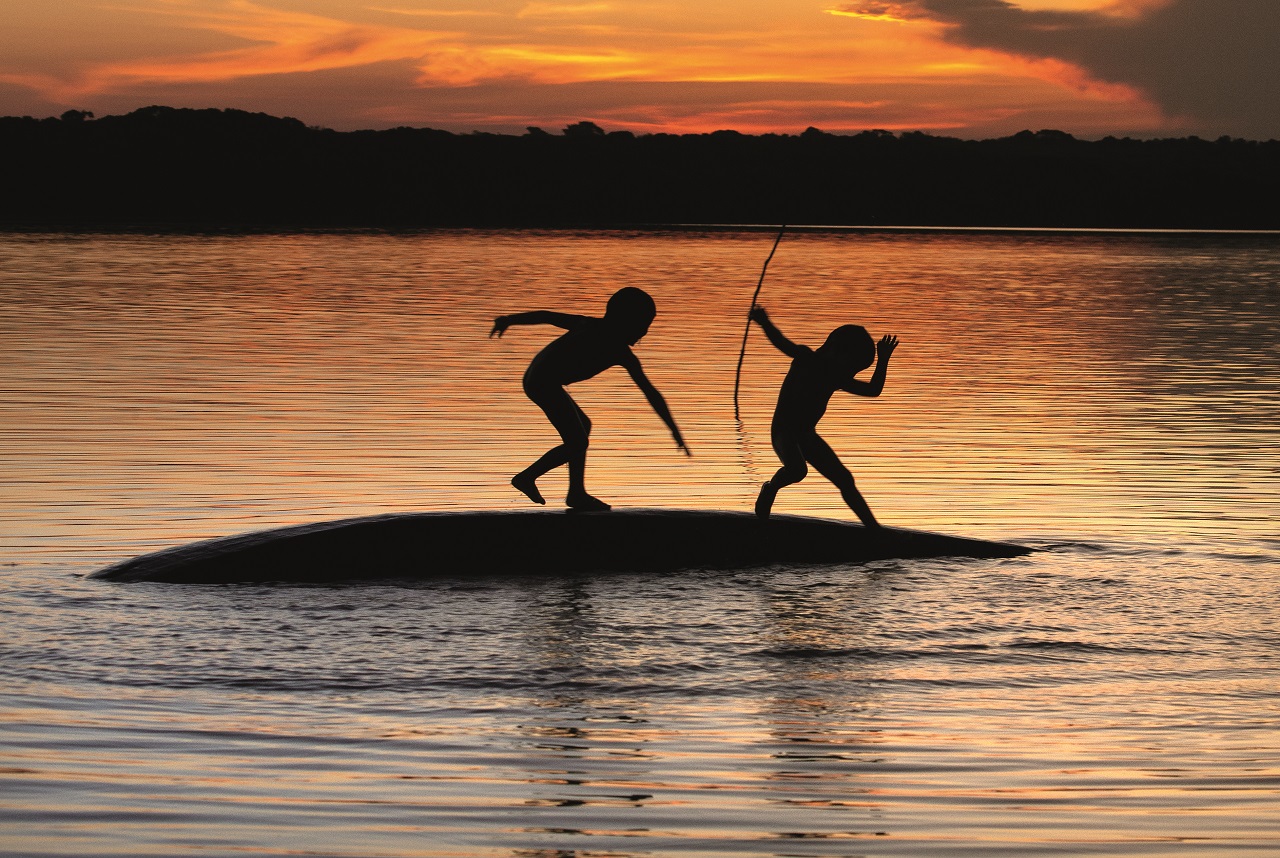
x=796, y=229
x=166, y=169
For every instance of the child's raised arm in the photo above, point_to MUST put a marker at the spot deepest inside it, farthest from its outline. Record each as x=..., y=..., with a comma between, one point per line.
x=568, y=321
x=873, y=387
x=780, y=342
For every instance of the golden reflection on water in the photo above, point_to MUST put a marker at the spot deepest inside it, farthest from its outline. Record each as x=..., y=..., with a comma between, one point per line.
x=903, y=709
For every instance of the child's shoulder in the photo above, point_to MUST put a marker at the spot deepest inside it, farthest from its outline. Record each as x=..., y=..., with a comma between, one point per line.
x=592, y=333
x=805, y=354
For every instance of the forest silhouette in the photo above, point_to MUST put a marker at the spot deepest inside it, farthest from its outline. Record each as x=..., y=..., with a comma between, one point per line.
x=162, y=167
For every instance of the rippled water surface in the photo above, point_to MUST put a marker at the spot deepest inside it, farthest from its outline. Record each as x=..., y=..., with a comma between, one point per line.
x=1111, y=399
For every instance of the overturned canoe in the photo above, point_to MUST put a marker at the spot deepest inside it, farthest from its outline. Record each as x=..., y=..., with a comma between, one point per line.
x=467, y=544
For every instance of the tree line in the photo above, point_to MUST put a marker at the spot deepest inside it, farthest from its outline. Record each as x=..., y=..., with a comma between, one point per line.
x=162, y=167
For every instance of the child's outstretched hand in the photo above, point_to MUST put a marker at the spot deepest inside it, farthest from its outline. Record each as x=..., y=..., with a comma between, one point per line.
x=887, y=344
x=500, y=326
x=758, y=315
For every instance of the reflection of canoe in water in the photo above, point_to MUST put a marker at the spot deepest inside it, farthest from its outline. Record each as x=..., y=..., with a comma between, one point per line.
x=539, y=542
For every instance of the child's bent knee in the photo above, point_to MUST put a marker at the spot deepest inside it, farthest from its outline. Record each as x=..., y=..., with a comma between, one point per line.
x=789, y=474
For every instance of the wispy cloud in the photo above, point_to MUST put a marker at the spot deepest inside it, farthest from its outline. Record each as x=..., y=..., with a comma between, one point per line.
x=415, y=12
x=560, y=10
x=277, y=41
x=879, y=11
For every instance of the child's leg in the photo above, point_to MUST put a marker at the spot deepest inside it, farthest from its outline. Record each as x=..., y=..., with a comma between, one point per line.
x=793, y=470
x=575, y=429
x=826, y=462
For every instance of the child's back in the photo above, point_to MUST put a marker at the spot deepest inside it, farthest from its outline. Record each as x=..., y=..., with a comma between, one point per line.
x=584, y=351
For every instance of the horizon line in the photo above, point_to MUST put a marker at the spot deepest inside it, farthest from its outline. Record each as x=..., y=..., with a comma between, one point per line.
x=74, y=116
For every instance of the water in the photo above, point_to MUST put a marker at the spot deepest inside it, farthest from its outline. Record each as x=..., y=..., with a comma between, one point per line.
x=1111, y=399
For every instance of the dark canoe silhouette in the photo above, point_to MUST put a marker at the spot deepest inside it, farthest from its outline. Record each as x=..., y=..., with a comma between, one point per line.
x=539, y=542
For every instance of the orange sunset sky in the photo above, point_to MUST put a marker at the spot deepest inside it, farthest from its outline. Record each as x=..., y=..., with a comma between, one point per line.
x=970, y=68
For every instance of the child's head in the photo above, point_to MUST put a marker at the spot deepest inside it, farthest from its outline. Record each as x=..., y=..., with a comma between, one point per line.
x=632, y=311
x=851, y=346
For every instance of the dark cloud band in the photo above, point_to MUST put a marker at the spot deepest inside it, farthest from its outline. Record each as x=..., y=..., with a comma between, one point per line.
x=1210, y=62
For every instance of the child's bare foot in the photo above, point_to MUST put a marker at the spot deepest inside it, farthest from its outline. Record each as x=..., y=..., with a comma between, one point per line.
x=529, y=487
x=764, y=503
x=586, y=503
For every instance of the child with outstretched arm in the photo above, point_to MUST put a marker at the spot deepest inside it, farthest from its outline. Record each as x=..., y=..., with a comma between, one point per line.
x=815, y=375
x=588, y=347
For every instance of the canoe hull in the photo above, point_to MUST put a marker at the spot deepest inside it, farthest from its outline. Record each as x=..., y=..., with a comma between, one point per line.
x=536, y=542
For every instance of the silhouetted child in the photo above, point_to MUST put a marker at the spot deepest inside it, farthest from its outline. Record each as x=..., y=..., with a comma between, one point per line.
x=589, y=347
x=814, y=376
